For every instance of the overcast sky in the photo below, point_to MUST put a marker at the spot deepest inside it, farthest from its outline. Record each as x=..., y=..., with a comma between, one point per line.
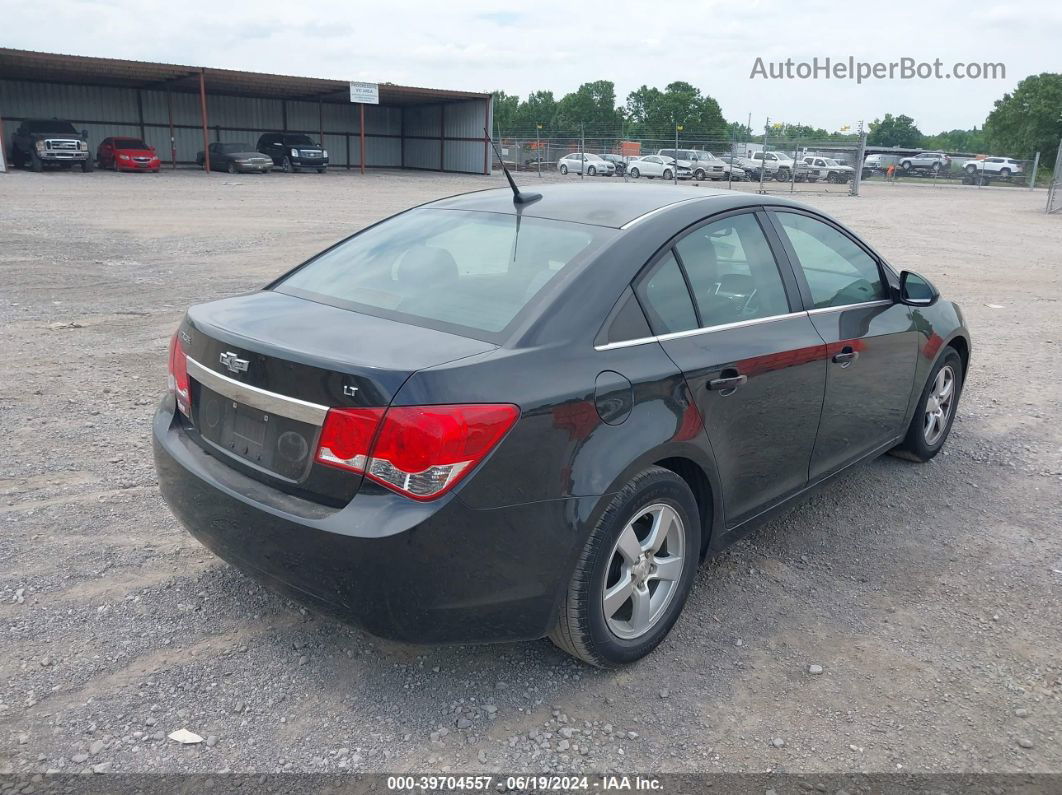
x=548, y=44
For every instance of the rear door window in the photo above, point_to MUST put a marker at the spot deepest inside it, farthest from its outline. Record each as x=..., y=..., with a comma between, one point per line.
x=666, y=298
x=732, y=272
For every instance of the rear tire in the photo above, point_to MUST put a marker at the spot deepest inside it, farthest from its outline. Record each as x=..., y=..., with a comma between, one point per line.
x=635, y=173
x=591, y=171
x=934, y=416
x=655, y=500
x=906, y=165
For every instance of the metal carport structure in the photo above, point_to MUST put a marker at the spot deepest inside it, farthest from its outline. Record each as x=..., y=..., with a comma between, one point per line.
x=179, y=109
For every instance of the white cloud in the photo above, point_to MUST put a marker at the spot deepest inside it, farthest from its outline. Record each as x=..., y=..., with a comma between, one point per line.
x=550, y=44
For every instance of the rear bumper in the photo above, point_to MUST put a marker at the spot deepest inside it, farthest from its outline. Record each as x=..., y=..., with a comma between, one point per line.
x=436, y=572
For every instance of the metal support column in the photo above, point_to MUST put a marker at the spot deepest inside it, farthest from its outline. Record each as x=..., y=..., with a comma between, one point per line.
x=442, y=137
x=361, y=135
x=203, y=112
x=173, y=137
x=857, y=174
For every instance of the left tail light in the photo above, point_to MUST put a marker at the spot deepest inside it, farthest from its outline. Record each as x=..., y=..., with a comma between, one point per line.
x=418, y=451
x=178, y=377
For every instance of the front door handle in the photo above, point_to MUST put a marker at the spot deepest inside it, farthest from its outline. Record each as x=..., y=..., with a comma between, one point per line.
x=726, y=386
x=846, y=356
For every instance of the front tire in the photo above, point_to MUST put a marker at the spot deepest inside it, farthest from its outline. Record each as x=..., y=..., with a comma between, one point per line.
x=668, y=174
x=699, y=175
x=634, y=574
x=563, y=169
x=287, y=165
x=933, y=419
x=35, y=163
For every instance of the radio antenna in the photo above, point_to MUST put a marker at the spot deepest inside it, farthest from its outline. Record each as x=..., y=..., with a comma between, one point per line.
x=518, y=197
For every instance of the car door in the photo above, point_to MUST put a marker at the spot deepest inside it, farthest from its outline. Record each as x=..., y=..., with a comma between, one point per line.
x=872, y=344
x=751, y=356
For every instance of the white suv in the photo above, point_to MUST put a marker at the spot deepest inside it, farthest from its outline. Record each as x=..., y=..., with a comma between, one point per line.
x=1001, y=166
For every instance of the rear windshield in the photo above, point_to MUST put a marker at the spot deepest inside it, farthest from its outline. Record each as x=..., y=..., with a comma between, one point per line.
x=466, y=272
x=129, y=143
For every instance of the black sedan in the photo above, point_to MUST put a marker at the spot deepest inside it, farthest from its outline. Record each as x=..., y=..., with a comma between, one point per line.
x=619, y=161
x=236, y=159
x=485, y=419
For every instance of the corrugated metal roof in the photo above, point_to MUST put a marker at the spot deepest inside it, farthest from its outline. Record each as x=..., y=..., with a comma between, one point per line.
x=79, y=69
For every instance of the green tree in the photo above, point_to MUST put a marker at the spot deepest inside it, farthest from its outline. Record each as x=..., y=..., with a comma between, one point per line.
x=971, y=141
x=653, y=113
x=1029, y=120
x=505, y=110
x=539, y=108
x=894, y=131
x=593, y=107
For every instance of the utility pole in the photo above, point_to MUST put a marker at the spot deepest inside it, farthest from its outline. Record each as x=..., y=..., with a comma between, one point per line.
x=763, y=160
x=582, y=149
x=538, y=149
x=674, y=174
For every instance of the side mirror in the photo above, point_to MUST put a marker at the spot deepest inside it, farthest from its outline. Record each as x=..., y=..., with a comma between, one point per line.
x=84, y=134
x=916, y=290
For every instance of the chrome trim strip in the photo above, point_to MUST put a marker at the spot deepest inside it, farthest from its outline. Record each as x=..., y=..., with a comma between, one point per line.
x=651, y=213
x=827, y=309
x=261, y=399
x=696, y=332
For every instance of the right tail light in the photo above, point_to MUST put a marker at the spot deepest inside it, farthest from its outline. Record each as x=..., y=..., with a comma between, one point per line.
x=418, y=451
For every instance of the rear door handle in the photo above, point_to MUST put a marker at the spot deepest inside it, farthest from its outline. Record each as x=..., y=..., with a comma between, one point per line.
x=726, y=386
x=846, y=356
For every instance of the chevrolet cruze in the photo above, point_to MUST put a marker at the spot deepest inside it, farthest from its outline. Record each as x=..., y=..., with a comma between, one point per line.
x=499, y=417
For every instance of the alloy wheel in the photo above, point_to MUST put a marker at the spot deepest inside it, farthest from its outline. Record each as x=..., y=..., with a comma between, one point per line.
x=644, y=571
x=939, y=403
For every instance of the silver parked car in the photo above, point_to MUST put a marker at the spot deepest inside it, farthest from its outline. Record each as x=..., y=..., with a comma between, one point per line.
x=585, y=163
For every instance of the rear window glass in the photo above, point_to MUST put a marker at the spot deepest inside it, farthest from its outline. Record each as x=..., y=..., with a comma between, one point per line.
x=452, y=269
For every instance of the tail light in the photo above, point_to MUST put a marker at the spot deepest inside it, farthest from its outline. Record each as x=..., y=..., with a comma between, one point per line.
x=178, y=377
x=419, y=451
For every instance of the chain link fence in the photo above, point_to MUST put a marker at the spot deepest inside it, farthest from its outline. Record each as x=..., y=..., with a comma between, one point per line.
x=765, y=163
x=771, y=166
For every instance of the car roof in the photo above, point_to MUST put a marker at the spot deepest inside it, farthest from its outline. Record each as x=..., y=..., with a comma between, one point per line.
x=612, y=205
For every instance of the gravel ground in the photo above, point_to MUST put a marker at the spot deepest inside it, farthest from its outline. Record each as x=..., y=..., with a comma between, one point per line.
x=908, y=617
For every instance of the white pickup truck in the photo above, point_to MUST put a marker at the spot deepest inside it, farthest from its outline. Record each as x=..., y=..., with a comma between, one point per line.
x=781, y=167
x=829, y=169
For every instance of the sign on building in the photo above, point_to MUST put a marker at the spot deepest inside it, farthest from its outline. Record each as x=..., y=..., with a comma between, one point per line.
x=365, y=93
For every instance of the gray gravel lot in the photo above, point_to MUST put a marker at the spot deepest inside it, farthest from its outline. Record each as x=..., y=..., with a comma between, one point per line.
x=928, y=595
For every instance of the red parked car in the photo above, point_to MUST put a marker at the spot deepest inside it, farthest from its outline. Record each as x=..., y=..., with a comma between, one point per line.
x=127, y=154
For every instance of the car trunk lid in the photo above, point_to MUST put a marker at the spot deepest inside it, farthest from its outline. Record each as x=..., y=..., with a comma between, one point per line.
x=266, y=367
